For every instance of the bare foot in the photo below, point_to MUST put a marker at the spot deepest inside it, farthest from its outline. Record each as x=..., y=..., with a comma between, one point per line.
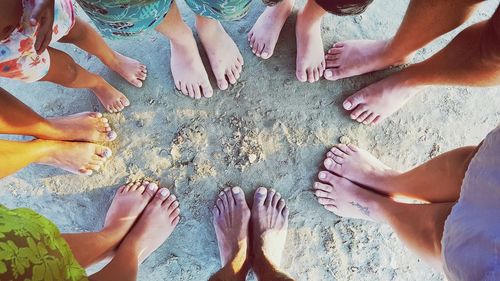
x=358, y=166
x=344, y=198
x=378, y=101
x=131, y=70
x=356, y=57
x=155, y=225
x=85, y=126
x=231, y=218
x=129, y=202
x=112, y=99
x=266, y=30
x=225, y=58
x=190, y=76
x=310, y=53
x=75, y=157
x=270, y=224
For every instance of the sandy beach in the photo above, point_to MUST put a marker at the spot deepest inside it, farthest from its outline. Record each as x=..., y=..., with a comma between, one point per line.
x=267, y=130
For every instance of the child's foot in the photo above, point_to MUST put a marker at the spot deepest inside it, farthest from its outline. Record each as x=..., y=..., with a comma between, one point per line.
x=356, y=57
x=75, y=157
x=270, y=224
x=267, y=28
x=85, y=126
x=129, y=202
x=190, y=76
x=225, y=58
x=378, y=101
x=231, y=217
x=158, y=220
x=346, y=199
x=112, y=99
x=358, y=166
x=131, y=70
x=310, y=53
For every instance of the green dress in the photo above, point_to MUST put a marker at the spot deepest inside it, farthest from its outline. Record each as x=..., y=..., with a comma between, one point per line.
x=32, y=248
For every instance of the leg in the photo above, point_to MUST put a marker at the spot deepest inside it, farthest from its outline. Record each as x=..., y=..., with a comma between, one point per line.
x=270, y=224
x=267, y=28
x=437, y=180
x=18, y=119
x=129, y=202
x=470, y=59
x=425, y=20
x=86, y=38
x=310, y=53
x=224, y=56
x=75, y=157
x=188, y=71
x=66, y=72
x=231, y=218
x=420, y=227
x=158, y=220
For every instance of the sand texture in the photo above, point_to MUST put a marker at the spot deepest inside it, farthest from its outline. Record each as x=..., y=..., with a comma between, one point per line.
x=267, y=130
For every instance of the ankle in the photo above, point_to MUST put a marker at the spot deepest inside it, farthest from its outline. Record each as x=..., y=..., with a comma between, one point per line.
x=393, y=55
x=206, y=26
x=44, y=150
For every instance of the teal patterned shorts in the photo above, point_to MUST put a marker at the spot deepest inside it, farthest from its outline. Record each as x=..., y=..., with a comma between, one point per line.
x=124, y=18
x=223, y=10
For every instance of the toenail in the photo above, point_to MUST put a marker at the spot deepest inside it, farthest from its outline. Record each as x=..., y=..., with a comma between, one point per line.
x=264, y=54
x=328, y=74
x=152, y=186
x=112, y=135
x=236, y=190
x=328, y=162
x=261, y=190
x=107, y=153
x=221, y=193
x=164, y=192
x=347, y=105
x=322, y=175
x=173, y=197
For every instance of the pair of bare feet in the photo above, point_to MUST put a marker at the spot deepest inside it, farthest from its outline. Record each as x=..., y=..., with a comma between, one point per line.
x=190, y=76
x=141, y=218
x=69, y=142
x=345, y=59
x=347, y=186
x=269, y=223
x=129, y=69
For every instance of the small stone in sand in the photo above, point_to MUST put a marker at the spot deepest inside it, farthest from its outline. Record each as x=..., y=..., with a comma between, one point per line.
x=252, y=158
x=345, y=140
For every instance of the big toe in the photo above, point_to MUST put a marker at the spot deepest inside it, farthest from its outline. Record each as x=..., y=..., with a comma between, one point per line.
x=260, y=196
x=238, y=195
x=353, y=101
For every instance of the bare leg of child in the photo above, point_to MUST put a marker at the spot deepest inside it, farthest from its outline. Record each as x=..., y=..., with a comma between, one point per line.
x=66, y=72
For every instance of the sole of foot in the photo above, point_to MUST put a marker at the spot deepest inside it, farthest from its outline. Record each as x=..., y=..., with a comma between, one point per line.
x=380, y=100
x=231, y=216
x=356, y=57
x=265, y=33
x=358, y=166
x=75, y=157
x=129, y=69
x=225, y=57
x=269, y=224
x=85, y=126
x=344, y=198
x=310, y=63
x=156, y=223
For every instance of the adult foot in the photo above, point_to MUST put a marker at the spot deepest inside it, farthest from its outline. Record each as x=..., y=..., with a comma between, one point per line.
x=129, y=202
x=378, y=101
x=85, y=126
x=356, y=57
x=310, y=53
x=266, y=30
x=231, y=217
x=344, y=198
x=131, y=70
x=112, y=99
x=224, y=56
x=270, y=224
x=158, y=220
x=190, y=76
x=358, y=165
x=75, y=157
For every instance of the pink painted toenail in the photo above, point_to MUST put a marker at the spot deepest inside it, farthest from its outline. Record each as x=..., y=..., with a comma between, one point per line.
x=328, y=74
x=328, y=162
x=152, y=186
x=322, y=175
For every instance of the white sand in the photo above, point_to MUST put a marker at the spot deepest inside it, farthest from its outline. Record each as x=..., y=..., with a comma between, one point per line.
x=286, y=125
